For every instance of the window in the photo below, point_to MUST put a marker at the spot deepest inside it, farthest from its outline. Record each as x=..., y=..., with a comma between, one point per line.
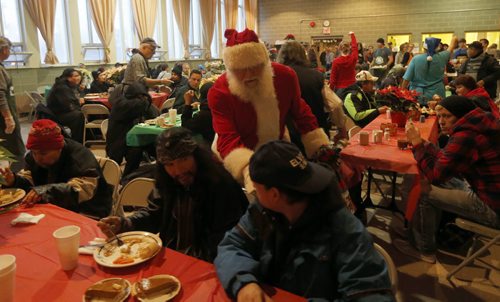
x=124, y=29
x=11, y=27
x=241, y=16
x=491, y=36
x=445, y=38
x=92, y=48
x=61, y=48
x=398, y=39
x=175, y=47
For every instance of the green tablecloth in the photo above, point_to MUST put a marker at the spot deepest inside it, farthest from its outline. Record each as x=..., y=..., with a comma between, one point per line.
x=143, y=135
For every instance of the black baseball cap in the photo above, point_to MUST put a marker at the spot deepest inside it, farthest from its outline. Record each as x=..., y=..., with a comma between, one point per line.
x=150, y=41
x=281, y=164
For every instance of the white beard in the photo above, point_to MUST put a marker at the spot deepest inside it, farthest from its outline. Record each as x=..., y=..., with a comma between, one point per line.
x=263, y=98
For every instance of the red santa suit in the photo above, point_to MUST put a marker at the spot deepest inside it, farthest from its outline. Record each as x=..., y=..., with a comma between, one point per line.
x=244, y=125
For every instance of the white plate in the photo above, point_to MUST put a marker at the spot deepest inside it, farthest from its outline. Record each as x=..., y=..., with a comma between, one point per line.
x=110, y=252
x=159, y=296
x=122, y=297
x=16, y=195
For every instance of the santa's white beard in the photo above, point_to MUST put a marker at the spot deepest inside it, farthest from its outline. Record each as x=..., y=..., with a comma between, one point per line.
x=263, y=98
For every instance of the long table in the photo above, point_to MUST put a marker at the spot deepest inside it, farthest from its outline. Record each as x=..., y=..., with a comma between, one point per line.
x=40, y=278
x=157, y=100
x=388, y=157
x=143, y=135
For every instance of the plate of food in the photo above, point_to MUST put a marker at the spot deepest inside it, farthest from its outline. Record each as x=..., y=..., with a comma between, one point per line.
x=10, y=196
x=112, y=289
x=156, y=288
x=137, y=247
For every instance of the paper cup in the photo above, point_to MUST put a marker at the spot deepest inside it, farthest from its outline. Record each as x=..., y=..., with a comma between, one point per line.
x=160, y=121
x=172, y=113
x=364, y=138
x=67, y=242
x=7, y=277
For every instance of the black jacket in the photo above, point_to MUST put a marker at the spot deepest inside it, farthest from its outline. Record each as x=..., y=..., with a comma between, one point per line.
x=179, y=97
x=63, y=98
x=128, y=109
x=489, y=72
x=360, y=106
x=76, y=161
x=218, y=203
x=98, y=87
x=200, y=123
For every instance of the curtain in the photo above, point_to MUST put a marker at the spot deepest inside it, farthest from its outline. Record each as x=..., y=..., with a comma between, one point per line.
x=251, y=14
x=182, y=10
x=103, y=16
x=43, y=15
x=231, y=12
x=144, y=17
x=208, y=14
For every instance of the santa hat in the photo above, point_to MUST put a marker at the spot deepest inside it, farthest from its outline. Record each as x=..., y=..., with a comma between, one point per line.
x=243, y=50
x=431, y=44
x=45, y=135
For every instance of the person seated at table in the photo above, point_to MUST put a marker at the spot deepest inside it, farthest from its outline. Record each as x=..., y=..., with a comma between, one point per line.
x=192, y=88
x=62, y=172
x=100, y=83
x=359, y=102
x=177, y=80
x=394, y=77
x=471, y=154
x=65, y=102
x=466, y=86
x=195, y=200
x=128, y=110
x=164, y=73
x=200, y=122
x=299, y=236
x=482, y=67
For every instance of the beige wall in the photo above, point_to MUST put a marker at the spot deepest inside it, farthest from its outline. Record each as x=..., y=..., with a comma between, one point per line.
x=371, y=19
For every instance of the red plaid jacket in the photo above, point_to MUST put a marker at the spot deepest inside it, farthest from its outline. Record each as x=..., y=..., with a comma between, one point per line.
x=472, y=152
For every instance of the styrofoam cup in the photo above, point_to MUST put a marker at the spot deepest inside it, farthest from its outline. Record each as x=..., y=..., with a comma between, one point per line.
x=67, y=242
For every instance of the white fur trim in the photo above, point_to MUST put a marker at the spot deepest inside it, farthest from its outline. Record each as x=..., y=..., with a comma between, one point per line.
x=314, y=139
x=245, y=55
x=236, y=161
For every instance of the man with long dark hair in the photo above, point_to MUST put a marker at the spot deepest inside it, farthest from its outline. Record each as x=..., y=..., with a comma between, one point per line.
x=195, y=200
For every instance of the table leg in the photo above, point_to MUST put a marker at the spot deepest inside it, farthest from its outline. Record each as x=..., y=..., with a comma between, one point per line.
x=368, y=200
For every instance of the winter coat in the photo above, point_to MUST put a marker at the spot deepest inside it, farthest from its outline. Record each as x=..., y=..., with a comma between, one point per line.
x=360, y=106
x=489, y=72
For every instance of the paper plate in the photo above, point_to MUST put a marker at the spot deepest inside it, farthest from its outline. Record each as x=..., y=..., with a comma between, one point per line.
x=112, y=289
x=166, y=293
x=11, y=196
x=138, y=248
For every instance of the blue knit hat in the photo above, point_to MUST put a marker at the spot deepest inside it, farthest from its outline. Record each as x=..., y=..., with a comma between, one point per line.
x=431, y=44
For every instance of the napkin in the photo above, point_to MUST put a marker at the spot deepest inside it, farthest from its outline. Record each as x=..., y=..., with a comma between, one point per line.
x=27, y=218
x=91, y=246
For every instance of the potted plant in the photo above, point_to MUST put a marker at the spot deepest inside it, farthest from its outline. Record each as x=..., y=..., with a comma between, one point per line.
x=403, y=103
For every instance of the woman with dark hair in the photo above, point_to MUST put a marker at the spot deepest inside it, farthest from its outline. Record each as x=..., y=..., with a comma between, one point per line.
x=64, y=101
x=195, y=200
x=311, y=83
x=466, y=86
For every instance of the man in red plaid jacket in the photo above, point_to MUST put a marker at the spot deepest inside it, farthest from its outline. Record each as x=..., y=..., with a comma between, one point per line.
x=464, y=175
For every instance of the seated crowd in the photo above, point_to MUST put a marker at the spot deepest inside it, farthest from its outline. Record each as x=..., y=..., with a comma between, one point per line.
x=264, y=210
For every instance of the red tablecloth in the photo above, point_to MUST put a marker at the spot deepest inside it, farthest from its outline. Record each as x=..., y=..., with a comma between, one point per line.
x=387, y=156
x=157, y=100
x=40, y=278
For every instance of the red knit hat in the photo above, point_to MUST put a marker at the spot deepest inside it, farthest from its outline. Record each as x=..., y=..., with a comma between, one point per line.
x=243, y=50
x=45, y=135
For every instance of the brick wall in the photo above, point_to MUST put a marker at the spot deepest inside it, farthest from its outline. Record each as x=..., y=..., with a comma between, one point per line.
x=371, y=19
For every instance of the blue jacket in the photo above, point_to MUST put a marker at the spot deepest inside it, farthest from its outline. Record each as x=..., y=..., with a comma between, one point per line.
x=326, y=255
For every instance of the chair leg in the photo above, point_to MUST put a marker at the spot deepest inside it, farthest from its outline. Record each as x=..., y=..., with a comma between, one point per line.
x=468, y=260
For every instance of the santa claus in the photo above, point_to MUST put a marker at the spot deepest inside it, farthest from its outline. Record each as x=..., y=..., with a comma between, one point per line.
x=251, y=103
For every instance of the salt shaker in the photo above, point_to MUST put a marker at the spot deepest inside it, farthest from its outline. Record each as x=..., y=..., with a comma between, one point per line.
x=388, y=113
x=387, y=134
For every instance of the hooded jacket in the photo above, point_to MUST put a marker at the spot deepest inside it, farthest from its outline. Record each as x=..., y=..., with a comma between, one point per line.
x=326, y=255
x=472, y=152
x=481, y=99
x=128, y=109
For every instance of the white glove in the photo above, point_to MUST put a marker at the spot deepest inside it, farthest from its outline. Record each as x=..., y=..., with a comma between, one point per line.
x=10, y=124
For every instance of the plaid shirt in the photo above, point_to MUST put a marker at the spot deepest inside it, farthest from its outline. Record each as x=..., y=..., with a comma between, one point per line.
x=472, y=152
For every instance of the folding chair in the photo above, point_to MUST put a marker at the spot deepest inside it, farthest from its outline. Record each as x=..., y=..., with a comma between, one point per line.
x=89, y=110
x=391, y=267
x=135, y=193
x=167, y=104
x=480, y=231
x=111, y=172
x=353, y=131
x=104, y=128
x=35, y=98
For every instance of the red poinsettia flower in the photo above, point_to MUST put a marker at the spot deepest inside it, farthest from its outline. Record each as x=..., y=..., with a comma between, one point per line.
x=399, y=99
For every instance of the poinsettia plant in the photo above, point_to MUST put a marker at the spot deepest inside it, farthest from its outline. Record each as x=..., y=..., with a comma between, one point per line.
x=399, y=99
